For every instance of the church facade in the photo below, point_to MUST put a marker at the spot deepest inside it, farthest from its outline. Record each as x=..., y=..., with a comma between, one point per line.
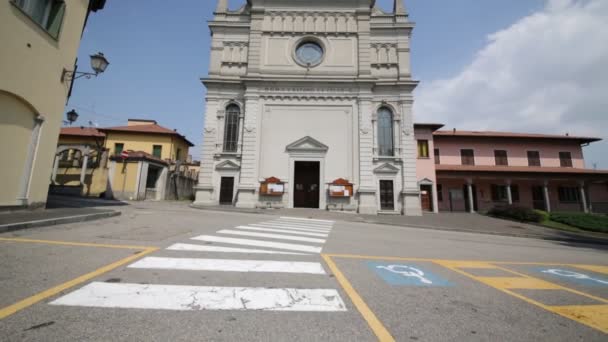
x=309, y=104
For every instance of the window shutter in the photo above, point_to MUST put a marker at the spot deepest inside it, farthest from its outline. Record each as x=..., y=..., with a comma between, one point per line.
x=56, y=18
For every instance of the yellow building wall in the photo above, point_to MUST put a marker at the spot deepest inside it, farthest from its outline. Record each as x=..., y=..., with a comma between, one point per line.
x=31, y=63
x=145, y=143
x=125, y=177
x=95, y=180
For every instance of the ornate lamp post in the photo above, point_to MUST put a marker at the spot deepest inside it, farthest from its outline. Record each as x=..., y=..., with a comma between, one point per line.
x=72, y=116
x=99, y=63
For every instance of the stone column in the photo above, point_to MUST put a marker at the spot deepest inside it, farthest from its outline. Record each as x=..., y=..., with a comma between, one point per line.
x=470, y=196
x=55, y=169
x=83, y=171
x=509, y=194
x=546, y=196
x=367, y=189
x=435, y=200
x=248, y=182
x=583, y=195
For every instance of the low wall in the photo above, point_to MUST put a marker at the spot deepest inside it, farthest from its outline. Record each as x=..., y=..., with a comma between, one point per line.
x=179, y=187
x=95, y=181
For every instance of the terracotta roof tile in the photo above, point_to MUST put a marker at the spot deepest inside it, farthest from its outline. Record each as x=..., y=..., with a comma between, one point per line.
x=151, y=128
x=81, y=132
x=138, y=155
x=493, y=134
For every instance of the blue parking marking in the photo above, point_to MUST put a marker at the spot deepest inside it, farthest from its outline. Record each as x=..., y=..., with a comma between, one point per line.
x=574, y=276
x=406, y=274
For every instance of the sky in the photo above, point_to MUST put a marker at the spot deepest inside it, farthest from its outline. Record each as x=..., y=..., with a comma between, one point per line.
x=504, y=65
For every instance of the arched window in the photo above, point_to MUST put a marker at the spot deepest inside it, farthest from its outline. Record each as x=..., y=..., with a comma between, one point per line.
x=385, y=132
x=231, y=128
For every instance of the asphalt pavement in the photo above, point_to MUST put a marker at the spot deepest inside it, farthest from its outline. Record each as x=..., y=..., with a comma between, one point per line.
x=163, y=271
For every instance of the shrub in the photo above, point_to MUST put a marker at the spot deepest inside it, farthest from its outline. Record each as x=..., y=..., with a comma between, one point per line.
x=543, y=214
x=518, y=213
x=596, y=223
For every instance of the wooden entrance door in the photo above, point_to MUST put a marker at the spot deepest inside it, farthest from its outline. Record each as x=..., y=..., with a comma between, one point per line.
x=387, y=196
x=306, y=184
x=426, y=197
x=538, y=197
x=226, y=190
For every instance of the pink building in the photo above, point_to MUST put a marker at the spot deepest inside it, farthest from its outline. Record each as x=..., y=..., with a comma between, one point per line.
x=475, y=171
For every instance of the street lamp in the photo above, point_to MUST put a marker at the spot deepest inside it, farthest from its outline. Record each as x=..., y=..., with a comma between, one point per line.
x=72, y=116
x=99, y=63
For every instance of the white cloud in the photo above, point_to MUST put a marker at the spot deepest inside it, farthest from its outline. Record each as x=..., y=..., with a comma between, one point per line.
x=547, y=73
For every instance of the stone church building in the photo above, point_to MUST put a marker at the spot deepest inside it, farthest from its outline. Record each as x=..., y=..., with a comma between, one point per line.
x=309, y=104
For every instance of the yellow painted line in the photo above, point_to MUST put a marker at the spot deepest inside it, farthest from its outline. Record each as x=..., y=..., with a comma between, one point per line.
x=517, y=283
x=467, y=264
x=374, y=323
x=70, y=243
x=588, y=317
x=560, y=287
x=11, y=309
x=375, y=257
x=592, y=268
x=594, y=315
x=595, y=268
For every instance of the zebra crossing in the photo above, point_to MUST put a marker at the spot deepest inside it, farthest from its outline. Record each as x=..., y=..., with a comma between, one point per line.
x=282, y=238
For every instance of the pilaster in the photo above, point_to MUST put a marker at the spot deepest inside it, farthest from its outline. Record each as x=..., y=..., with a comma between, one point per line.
x=246, y=197
x=367, y=188
x=410, y=191
x=204, y=188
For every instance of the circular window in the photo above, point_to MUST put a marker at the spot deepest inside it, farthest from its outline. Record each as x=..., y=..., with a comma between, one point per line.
x=309, y=53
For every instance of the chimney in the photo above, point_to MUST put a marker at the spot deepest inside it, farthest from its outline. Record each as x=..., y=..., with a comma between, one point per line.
x=139, y=122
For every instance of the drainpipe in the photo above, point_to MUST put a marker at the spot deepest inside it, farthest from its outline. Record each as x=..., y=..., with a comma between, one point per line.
x=32, y=153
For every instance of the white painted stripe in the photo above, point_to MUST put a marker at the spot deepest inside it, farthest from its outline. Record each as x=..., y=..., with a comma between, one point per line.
x=196, y=298
x=305, y=219
x=315, y=230
x=298, y=225
x=271, y=236
x=206, y=248
x=308, y=224
x=229, y=265
x=259, y=243
x=287, y=231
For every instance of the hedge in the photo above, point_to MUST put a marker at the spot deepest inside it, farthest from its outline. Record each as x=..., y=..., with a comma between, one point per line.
x=596, y=223
x=518, y=213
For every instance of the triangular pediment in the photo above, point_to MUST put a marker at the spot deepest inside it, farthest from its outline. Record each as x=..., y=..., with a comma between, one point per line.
x=386, y=168
x=307, y=145
x=227, y=165
x=425, y=181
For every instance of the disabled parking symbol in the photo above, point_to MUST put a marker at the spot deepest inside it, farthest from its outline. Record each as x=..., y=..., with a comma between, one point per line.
x=404, y=274
x=577, y=277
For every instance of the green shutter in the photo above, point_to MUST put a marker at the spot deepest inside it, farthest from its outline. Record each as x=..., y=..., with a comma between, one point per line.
x=156, y=151
x=118, y=149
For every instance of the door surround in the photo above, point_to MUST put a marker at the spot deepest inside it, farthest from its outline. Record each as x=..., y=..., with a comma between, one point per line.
x=307, y=149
